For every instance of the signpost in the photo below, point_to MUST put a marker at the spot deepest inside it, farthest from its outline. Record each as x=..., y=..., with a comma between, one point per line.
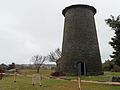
x=79, y=82
x=15, y=74
x=79, y=74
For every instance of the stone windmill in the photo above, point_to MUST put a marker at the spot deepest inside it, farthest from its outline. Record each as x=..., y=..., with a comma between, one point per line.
x=80, y=50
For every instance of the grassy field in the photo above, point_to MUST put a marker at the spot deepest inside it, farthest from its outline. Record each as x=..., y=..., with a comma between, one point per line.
x=24, y=83
x=101, y=78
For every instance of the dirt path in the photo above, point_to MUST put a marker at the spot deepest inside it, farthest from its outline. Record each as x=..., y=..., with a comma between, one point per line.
x=97, y=82
x=108, y=83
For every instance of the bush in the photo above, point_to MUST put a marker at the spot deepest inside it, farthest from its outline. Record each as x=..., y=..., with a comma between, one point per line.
x=11, y=66
x=115, y=79
x=108, y=65
x=116, y=68
x=57, y=74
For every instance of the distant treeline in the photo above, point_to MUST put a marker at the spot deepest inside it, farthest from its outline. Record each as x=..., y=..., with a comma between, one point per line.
x=25, y=66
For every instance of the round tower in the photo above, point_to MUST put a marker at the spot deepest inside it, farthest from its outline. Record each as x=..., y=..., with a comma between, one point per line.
x=80, y=50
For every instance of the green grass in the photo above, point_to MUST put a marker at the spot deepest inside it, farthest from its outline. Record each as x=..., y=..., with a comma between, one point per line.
x=101, y=78
x=24, y=82
x=116, y=88
x=115, y=73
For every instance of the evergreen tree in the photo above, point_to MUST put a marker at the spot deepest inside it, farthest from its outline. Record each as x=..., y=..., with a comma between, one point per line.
x=115, y=41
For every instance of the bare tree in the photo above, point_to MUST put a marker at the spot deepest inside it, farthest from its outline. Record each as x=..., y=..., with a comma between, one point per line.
x=55, y=55
x=38, y=61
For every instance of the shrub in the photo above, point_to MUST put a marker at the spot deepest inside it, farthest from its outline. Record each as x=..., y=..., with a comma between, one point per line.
x=57, y=74
x=108, y=65
x=115, y=79
x=116, y=68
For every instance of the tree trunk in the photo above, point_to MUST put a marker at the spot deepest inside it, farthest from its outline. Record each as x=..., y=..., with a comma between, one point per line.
x=38, y=69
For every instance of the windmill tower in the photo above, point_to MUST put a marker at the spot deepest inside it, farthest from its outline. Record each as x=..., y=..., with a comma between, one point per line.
x=80, y=50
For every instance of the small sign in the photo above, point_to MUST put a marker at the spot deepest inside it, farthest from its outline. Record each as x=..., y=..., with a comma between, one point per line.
x=36, y=79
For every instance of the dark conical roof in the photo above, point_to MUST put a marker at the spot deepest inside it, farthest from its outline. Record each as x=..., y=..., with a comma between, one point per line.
x=79, y=5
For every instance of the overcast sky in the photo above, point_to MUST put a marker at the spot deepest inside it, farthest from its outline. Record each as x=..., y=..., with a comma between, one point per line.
x=30, y=27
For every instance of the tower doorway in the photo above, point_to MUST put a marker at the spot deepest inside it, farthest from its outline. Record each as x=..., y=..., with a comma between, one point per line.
x=81, y=68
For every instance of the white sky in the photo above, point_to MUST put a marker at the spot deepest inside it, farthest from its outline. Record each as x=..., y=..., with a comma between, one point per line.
x=30, y=27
